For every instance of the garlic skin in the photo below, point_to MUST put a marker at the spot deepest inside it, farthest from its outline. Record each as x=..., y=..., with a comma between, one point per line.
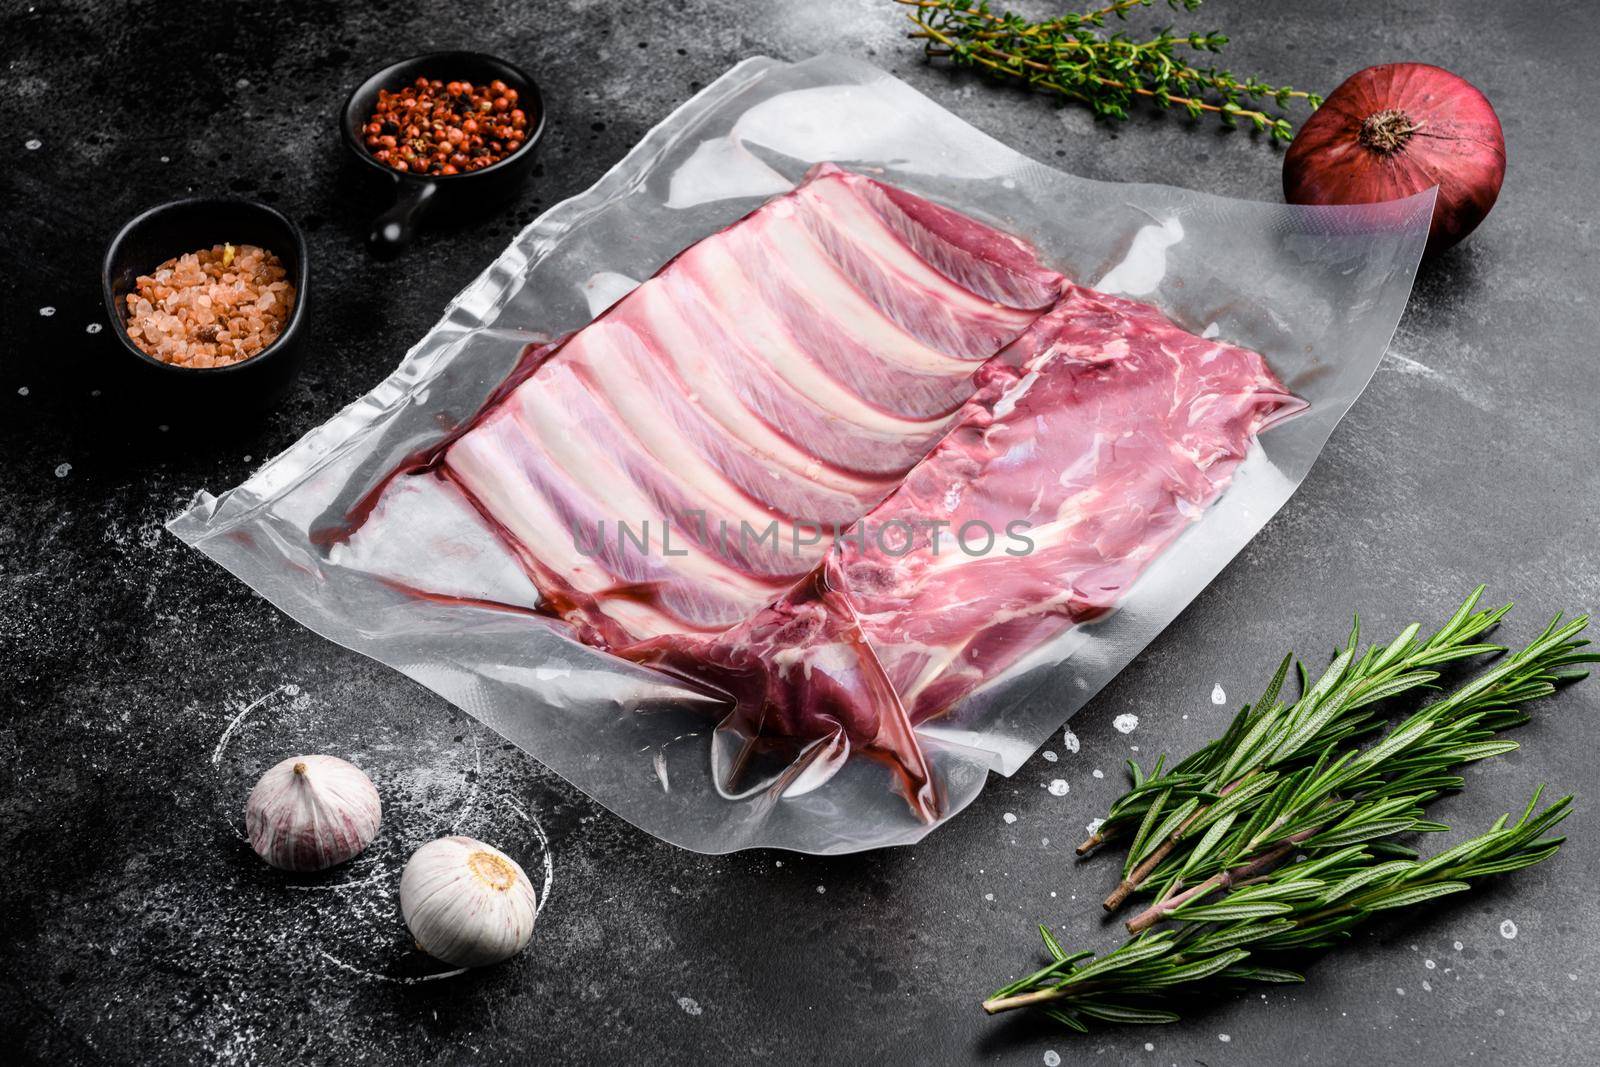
x=467, y=903
x=311, y=812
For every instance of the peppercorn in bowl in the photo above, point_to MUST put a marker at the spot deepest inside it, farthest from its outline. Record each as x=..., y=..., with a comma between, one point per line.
x=446, y=132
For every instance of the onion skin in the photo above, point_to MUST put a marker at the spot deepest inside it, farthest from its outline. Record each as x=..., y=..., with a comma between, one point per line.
x=1445, y=135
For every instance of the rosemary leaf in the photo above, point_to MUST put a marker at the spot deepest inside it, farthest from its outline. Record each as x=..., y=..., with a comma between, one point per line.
x=1240, y=938
x=1278, y=837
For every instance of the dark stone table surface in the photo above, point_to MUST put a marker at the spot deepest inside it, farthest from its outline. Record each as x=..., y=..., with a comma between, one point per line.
x=141, y=688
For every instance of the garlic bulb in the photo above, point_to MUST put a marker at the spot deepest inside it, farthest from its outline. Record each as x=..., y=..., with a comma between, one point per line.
x=311, y=812
x=466, y=903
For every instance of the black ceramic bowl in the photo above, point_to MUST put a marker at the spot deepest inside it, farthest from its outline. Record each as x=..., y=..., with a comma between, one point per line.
x=187, y=226
x=416, y=194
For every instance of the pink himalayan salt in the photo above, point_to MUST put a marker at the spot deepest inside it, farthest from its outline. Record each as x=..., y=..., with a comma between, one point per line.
x=210, y=308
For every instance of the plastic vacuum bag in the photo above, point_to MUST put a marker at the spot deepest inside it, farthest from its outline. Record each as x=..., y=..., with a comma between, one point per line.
x=421, y=580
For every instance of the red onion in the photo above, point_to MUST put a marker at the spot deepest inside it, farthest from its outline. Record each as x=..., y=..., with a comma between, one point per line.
x=1398, y=129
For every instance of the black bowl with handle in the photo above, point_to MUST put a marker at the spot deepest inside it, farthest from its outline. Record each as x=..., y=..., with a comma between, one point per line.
x=183, y=226
x=417, y=195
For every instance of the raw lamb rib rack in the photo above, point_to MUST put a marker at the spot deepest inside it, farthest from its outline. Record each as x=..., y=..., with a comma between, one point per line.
x=849, y=459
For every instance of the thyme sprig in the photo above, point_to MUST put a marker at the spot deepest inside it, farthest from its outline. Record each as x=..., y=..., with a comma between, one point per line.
x=1311, y=904
x=1072, y=54
x=1279, y=835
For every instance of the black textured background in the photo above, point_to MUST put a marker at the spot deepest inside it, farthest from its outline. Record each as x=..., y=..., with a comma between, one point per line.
x=137, y=927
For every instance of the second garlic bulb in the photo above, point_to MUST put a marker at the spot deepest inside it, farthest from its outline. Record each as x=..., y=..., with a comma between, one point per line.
x=467, y=903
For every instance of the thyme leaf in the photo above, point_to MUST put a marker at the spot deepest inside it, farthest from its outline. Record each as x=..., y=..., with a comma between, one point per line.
x=1073, y=55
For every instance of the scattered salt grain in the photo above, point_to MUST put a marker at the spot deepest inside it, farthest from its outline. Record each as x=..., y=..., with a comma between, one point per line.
x=1052, y=1058
x=22, y=391
x=93, y=327
x=820, y=889
x=1098, y=773
x=63, y=470
x=690, y=1006
x=1429, y=964
x=1009, y=818
x=1049, y=756
x=1224, y=1038
x=988, y=896
x=1149, y=1046
x=166, y=159
x=1058, y=787
x=1218, y=696
x=1458, y=946
x=1069, y=741
x=47, y=311
x=1125, y=723
x=33, y=144
x=1508, y=930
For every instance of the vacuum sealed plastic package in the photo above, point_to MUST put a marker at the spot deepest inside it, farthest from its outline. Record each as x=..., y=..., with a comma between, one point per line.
x=822, y=458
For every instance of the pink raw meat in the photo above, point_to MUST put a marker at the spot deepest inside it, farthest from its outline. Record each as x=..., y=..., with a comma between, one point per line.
x=1097, y=437
x=854, y=357
x=781, y=374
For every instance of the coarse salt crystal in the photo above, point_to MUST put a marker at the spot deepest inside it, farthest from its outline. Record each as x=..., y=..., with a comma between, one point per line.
x=174, y=312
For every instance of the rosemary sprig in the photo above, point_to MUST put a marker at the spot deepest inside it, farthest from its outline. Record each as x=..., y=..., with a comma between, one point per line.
x=1370, y=794
x=1072, y=55
x=1314, y=903
x=1288, y=775
x=1278, y=836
